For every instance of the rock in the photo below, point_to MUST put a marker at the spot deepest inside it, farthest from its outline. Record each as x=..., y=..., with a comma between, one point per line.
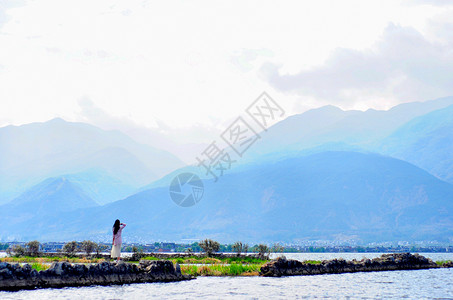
x=448, y=264
x=27, y=268
x=397, y=261
x=62, y=274
x=59, y=268
x=3, y=265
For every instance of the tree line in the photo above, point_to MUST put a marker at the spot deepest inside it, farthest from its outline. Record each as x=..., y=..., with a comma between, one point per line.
x=207, y=246
x=69, y=249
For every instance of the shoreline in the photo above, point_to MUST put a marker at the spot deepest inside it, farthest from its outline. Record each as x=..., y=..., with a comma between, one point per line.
x=387, y=262
x=14, y=276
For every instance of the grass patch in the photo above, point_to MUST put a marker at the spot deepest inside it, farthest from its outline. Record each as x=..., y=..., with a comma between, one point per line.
x=39, y=266
x=312, y=262
x=150, y=258
x=221, y=270
x=441, y=262
x=245, y=260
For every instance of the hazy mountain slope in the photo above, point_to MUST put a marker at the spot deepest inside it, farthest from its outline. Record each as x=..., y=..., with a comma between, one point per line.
x=48, y=198
x=101, y=187
x=33, y=152
x=330, y=126
x=331, y=195
x=426, y=141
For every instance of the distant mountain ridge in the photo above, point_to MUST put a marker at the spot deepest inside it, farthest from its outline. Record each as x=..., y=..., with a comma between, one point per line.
x=57, y=194
x=426, y=141
x=327, y=174
x=331, y=125
x=340, y=196
x=401, y=132
x=33, y=152
x=44, y=200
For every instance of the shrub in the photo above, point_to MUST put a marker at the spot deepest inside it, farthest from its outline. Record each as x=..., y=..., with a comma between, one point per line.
x=16, y=250
x=88, y=247
x=70, y=248
x=99, y=248
x=137, y=250
x=209, y=246
x=32, y=248
x=239, y=247
x=277, y=248
x=263, y=251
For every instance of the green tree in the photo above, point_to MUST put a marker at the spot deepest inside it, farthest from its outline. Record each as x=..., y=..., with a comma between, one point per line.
x=16, y=250
x=263, y=250
x=99, y=248
x=88, y=247
x=209, y=246
x=70, y=248
x=137, y=250
x=277, y=248
x=238, y=247
x=32, y=248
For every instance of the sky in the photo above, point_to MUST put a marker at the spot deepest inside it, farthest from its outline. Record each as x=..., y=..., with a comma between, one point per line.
x=184, y=70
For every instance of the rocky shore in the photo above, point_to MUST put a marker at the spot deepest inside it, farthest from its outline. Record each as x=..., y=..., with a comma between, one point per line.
x=63, y=274
x=387, y=262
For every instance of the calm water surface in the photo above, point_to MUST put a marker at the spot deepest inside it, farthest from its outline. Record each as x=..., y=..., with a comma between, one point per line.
x=420, y=284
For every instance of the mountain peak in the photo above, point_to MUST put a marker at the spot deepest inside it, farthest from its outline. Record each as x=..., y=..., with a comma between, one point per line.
x=58, y=192
x=57, y=120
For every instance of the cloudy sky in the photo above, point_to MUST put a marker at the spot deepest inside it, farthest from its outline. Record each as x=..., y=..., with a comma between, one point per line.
x=187, y=68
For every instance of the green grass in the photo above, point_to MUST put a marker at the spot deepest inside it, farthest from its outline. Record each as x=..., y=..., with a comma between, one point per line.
x=244, y=260
x=221, y=270
x=150, y=258
x=312, y=262
x=39, y=267
x=441, y=262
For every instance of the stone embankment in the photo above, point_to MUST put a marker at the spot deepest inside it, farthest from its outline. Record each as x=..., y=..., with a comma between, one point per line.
x=387, y=262
x=63, y=274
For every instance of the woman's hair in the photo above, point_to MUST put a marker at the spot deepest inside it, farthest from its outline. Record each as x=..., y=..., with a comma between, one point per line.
x=116, y=226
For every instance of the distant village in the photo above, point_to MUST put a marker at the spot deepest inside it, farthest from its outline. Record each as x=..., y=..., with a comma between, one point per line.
x=167, y=247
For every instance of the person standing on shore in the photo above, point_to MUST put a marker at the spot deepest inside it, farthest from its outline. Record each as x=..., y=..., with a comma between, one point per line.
x=117, y=240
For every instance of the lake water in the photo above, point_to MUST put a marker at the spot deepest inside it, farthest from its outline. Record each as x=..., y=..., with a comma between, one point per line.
x=419, y=284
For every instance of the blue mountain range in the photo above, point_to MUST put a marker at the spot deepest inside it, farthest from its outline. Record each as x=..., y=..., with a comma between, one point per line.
x=326, y=174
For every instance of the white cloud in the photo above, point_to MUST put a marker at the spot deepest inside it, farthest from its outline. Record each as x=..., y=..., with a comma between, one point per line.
x=402, y=66
x=431, y=2
x=186, y=65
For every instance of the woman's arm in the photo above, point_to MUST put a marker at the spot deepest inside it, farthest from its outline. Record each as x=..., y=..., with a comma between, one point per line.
x=123, y=225
x=113, y=242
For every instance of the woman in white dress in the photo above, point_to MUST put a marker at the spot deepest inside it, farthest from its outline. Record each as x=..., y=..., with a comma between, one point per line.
x=117, y=241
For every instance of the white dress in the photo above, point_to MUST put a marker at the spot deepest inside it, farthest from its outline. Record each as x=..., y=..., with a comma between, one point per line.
x=116, y=248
